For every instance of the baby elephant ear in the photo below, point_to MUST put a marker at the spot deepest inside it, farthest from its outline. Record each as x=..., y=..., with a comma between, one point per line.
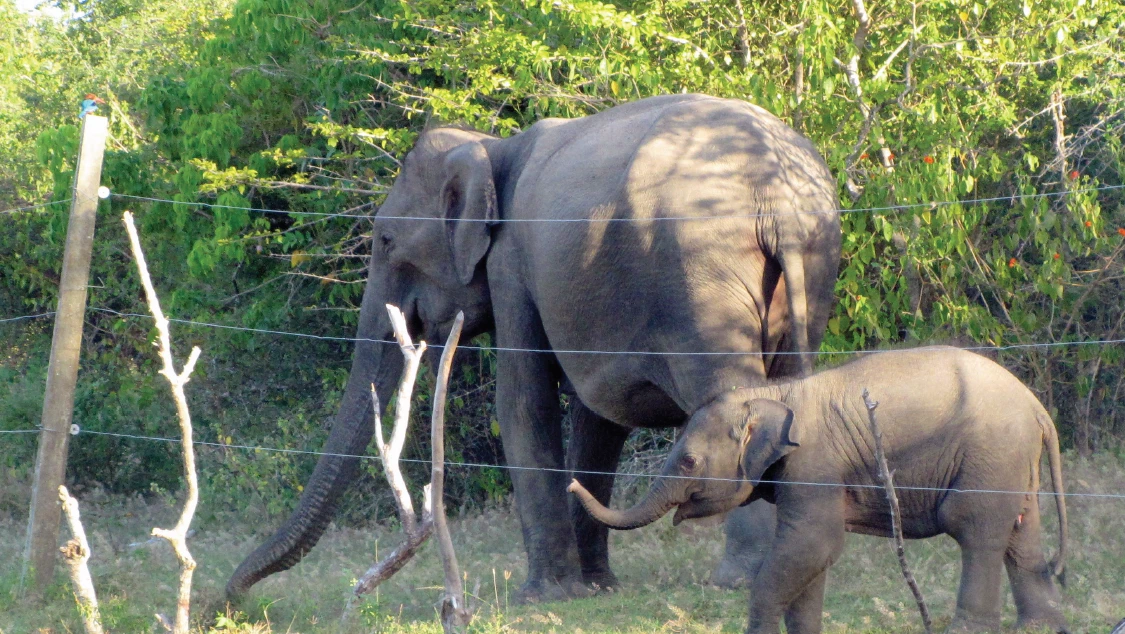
x=468, y=200
x=769, y=434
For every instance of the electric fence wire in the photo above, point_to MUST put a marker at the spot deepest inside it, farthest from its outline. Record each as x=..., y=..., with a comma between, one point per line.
x=478, y=465
x=888, y=208
x=1015, y=346
x=22, y=317
x=32, y=207
x=891, y=208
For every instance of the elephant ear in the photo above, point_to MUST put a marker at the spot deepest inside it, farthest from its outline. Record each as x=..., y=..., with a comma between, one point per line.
x=468, y=200
x=768, y=435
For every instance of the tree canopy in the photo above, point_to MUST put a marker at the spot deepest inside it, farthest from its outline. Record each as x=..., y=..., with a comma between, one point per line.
x=977, y=147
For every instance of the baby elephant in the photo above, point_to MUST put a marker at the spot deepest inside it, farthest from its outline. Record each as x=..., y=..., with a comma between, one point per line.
x=963, y=437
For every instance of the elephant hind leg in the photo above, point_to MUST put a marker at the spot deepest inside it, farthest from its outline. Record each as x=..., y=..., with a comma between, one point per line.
x=595, y=445
x=1033, y=589
x=981, y=525
x=749, y=532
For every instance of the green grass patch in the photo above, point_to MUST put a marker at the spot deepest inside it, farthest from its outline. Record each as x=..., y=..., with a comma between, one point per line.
x=663, y=569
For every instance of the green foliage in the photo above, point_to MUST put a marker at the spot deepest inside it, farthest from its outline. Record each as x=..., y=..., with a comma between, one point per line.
x=305, y=107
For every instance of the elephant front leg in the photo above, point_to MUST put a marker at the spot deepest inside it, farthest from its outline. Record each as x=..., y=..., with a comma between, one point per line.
x=790, y=583
x=805, y=614
x=595, y=448
x=527, y=405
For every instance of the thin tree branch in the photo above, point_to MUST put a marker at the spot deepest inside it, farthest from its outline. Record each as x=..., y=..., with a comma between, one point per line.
x=743, y=38
x=887, y=478
x=177, y=536
x=416, y=533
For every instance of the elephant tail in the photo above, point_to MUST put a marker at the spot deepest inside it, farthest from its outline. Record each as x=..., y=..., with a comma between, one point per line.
x=793, y=270
x=1054, y=460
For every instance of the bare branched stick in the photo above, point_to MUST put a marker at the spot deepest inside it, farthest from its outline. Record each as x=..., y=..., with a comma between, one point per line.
x=887, y=478
x=1058, y=115
x=455, y=613
x=176, y=536
x=76, y=553
x=390, y=453
x=416, y=533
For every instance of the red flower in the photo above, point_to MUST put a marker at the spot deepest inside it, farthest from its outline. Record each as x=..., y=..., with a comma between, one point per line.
x=1074, y=175
x=1012, y=263
x=1056, y=256
x=890, y=156
x=1089, y=224
x=863, y=157
x=1121, y=230
x=928, y=160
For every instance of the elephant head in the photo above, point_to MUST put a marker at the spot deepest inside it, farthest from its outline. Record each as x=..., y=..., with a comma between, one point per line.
x=725, y=449
x=429, y=242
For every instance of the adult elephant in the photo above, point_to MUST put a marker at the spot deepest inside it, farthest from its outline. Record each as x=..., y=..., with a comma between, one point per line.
x=647, y=255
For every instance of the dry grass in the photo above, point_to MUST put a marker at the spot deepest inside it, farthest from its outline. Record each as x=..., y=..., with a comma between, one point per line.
x=663, y=569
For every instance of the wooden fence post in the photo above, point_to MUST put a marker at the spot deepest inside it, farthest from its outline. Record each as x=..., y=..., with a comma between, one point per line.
x=62, y=373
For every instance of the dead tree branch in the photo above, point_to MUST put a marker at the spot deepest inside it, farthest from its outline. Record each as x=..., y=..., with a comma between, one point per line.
x=76, y=553
x=176, y=536
x=416, y=533
x=887, y=478
x=1058, y=115
x=455, y=613
x=869, y=112
x=743, y=35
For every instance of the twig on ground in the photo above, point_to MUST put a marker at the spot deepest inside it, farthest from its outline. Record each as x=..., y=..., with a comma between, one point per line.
x=76, y=553
x=887, y=478
x=176, y=536
x=455, y=613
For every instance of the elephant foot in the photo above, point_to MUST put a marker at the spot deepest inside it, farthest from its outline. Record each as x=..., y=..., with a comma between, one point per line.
x=549, y=590
x=1055, y=623
x=733, y=573
x=968, y=624
x=600, y=582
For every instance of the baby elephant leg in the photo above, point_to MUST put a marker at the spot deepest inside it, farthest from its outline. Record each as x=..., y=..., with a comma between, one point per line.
x=804, y=615
x=981, y=525
x=1033, y=589
x=790, y=583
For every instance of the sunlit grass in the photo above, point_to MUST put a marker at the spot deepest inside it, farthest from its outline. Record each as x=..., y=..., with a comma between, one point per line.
x=663, y=569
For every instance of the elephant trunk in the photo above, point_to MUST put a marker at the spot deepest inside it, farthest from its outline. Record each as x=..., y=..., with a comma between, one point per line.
x=373, y=363
x=660, y=499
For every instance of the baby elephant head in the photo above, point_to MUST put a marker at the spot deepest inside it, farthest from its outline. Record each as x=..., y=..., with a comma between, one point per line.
x=724, y=450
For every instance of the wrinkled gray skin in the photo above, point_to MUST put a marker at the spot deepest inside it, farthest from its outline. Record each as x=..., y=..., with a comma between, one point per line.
x=752, y=271
x=749, y=531
x=950, y=420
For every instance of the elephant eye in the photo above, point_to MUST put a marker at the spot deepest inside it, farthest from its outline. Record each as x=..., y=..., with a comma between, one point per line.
x=689, y=462
x=386, y=240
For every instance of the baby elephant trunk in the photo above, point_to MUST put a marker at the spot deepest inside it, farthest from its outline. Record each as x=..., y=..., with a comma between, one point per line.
x=656, y=504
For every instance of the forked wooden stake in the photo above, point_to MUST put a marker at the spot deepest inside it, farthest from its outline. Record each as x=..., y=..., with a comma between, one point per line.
x=454, y=613
x=176, y=536
x=887, y=478
x=76, y=553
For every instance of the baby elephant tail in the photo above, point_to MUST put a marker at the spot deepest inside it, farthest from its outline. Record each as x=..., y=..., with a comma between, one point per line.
x=1054, y=460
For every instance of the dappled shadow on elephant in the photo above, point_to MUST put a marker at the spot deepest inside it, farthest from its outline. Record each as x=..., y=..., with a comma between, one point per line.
x=653, y=255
